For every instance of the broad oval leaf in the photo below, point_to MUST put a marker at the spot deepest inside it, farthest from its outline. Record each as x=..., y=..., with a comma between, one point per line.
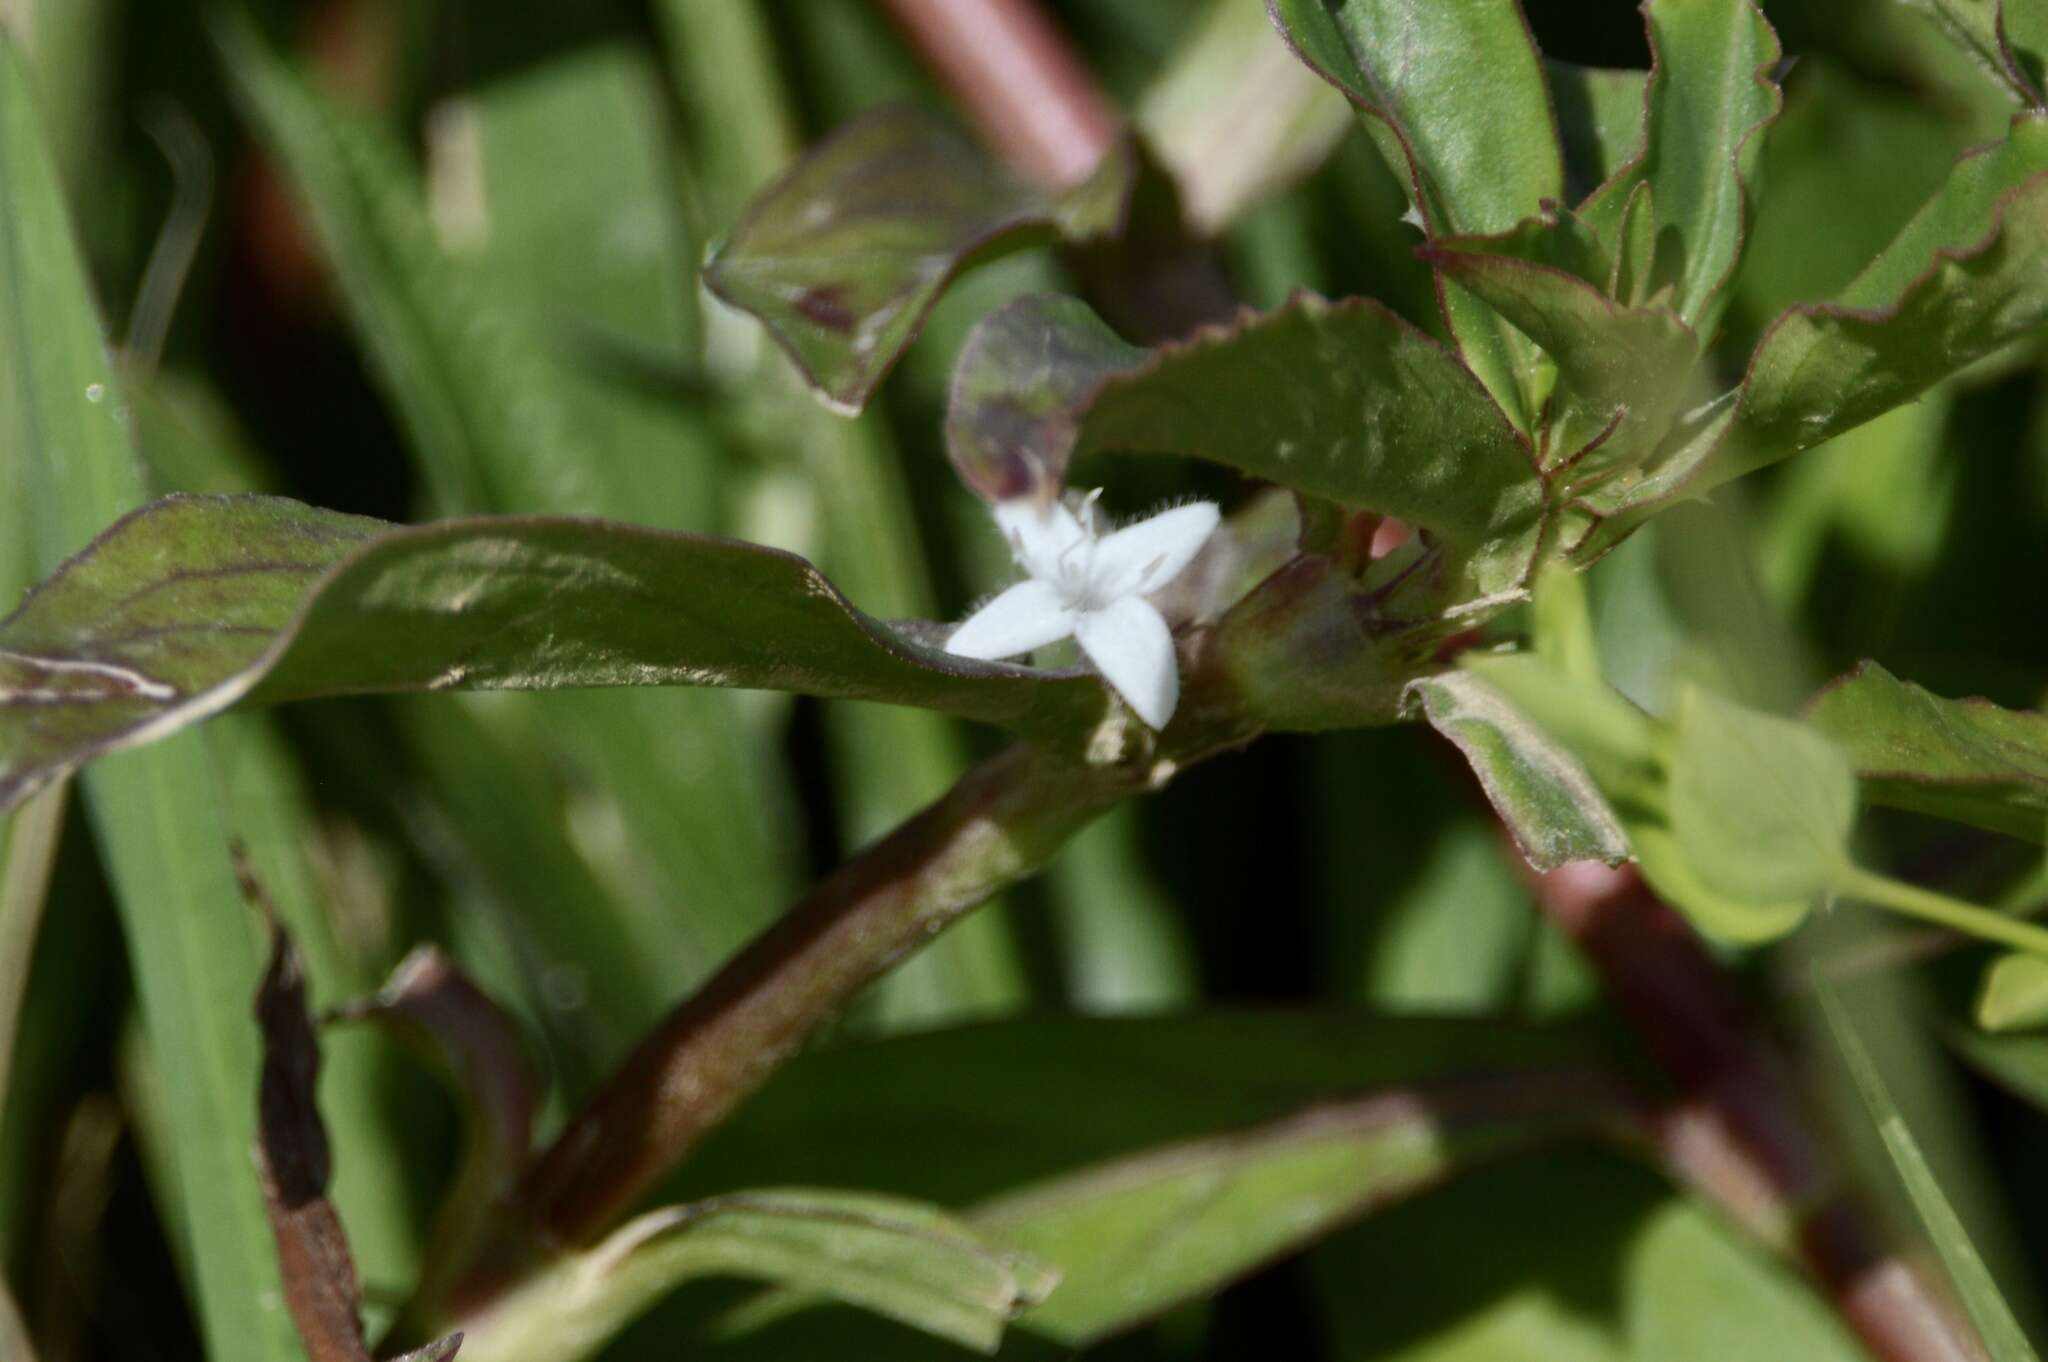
x=1968, y=760
x=192, y=604
x=1760, y=807
x=1599, y=122
x=844, y=255
x=1341, y=400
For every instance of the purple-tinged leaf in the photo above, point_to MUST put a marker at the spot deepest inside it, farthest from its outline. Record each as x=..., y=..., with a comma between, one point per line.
x=1623, y=373
x=1968, y=760
x=844, y=255
x=292, y=1161
x=1340, y=400
x=193, y=604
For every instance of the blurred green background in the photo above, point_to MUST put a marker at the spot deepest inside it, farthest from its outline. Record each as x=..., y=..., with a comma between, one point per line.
x=480, y=296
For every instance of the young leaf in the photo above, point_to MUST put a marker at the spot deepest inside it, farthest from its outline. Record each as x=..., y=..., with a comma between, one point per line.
x=294, y=1163
x=1623, y=373
x=2001, y=1333
x=844, y=255
x=1540, y=790
x=2014, y=995
x=195, y=603
x=1341, y=400
x=898, y=1258
x=1760, y=807
x=1710, y=97
x=1967, y=760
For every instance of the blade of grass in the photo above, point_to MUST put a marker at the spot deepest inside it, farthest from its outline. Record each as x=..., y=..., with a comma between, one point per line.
x=499, y=422
x=1973, y=1281
x=157, y=825
x=886, y=763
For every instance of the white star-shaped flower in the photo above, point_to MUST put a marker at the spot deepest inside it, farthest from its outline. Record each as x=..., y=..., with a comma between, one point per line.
x=1092, y=586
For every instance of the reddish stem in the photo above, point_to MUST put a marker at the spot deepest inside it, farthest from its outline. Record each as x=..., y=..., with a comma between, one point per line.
x=1736, y=1129
x=1016, y=77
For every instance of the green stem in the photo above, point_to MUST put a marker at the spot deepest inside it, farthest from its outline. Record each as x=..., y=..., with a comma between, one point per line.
x=1913, y=901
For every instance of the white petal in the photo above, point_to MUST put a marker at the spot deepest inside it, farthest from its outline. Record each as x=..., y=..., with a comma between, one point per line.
x=1029, y=615
x=1143, y=557
x=1041, y=535
x=1130, y=645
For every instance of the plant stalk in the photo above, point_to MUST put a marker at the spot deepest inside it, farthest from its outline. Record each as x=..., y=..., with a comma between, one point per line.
x=1737, y=1131
x=1911, y=900
x=1020, y=82
x=1002, y=822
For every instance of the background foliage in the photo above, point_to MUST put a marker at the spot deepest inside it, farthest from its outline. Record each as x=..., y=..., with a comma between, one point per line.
x=385, y=258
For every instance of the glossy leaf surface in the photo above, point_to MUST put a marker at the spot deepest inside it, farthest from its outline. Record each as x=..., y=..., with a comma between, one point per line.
x=195, y=603
x=842, y=257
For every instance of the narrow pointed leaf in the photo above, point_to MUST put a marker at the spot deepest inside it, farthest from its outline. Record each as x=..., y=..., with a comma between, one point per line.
x=901, y=1259
x=154, y=815
x=1135, y=1237
x=195, y=603
x=1968, y=760
x=844, y=255
x=1341, y=400
x=2001, y=1333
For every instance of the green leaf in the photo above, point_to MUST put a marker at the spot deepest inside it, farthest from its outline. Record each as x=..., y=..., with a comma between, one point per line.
x=1478, y=1272
x=1967, y=760
x=844, y=255
x=1050, y=1094
x=1599, y=122
x=1136, y=1236
x=2001, y=1333
x=1622, y=372
x=1978, y=29
x=1454, y=94
x=155, y=814
x=1761, y=807
x=1540, y=790
x=901, y=1259
x=1710, y=97
x=2014, y=996
x=1375, y=415
x=1965, y=276
x=195, y=603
